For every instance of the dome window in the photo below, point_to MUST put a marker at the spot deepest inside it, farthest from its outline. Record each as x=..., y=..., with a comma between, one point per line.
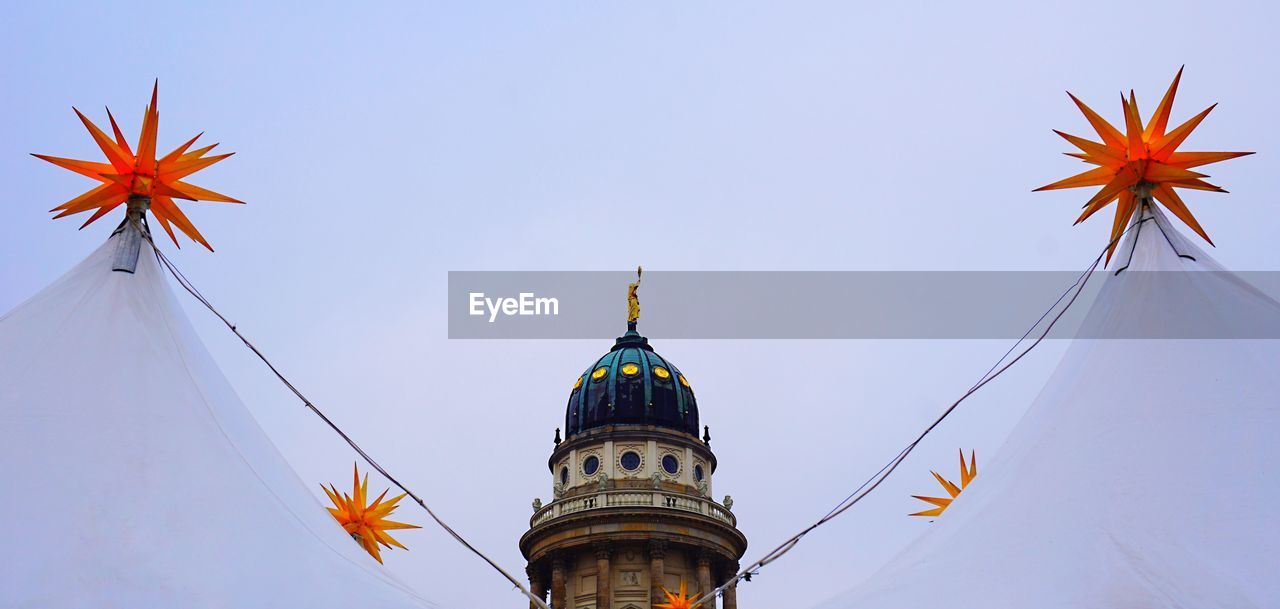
x=671, y=464
x=564, y=475
x=661, y=372
x=630, y=369
x=591, y=465
x=630, y=461
x=698, y=474
x=684, y=381
x=577, y=384
x=599, y=373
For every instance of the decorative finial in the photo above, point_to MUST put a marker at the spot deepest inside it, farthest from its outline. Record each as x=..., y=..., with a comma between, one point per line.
x=557, y=436
x=706, y=435
x=633, y=300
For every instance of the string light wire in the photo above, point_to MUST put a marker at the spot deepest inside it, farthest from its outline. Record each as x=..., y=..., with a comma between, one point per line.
x=861, y=492
x=191, y=289
x=870, y=485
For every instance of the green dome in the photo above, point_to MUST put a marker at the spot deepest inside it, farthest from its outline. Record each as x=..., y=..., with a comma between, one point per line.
x=631, y=385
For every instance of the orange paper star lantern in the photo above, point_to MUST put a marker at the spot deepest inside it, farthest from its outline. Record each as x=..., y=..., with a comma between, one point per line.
x=366, y=523
x=1139, y=163
x=967, y=474
x=136, y=172
x=680, y=601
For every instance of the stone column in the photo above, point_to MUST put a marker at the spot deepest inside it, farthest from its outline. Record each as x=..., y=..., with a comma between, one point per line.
x=704, y=574
x=558, y=600
x=657, y=571
x=604, y=592
x=729, y=599
x=536, y=585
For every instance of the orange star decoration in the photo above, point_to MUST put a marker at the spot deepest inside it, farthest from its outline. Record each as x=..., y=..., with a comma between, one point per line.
x=1140, y=163
x=967, y=474
x=367, y=524
x=683, y=601
x=129, y=174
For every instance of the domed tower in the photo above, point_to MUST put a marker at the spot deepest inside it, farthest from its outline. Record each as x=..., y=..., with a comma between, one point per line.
x=632, y=481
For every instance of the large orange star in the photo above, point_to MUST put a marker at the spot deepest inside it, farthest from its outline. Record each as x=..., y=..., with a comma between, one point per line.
x=1140, y=163
x=140, y=174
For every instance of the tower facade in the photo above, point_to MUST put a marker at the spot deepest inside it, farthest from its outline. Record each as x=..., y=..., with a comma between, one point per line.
x=633, y=512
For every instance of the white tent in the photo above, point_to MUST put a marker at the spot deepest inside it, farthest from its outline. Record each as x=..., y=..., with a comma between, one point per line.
x=134, y=476
x=1145, y=473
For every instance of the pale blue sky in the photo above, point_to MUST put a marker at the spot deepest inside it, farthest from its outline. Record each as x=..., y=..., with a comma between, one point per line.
x=380, y=147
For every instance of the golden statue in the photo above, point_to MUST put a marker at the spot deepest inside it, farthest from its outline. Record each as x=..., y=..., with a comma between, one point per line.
x=633, y=300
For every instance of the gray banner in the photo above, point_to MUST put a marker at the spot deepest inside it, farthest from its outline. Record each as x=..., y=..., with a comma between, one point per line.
x=853, y=305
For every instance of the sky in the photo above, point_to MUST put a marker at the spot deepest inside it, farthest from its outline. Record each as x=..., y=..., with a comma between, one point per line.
x=382, y=145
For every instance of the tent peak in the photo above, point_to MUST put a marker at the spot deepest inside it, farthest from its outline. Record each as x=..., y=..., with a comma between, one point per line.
x=1150, y=218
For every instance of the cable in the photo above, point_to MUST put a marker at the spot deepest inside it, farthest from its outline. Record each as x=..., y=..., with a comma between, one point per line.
x=865, y=489
x=980, y=380
x=191, y=289
x=880, y=476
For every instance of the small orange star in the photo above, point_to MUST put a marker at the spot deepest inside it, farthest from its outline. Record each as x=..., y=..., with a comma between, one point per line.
x=967, y=474
x=367, y=524
x=683, y=601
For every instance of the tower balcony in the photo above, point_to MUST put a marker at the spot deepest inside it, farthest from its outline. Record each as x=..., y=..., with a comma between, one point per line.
x=619, y=517
x=631, y=500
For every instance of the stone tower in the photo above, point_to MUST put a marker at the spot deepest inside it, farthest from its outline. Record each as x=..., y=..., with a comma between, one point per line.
x=632, y=510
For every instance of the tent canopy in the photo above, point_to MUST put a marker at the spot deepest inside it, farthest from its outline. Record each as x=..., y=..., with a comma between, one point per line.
x=136, y=477
x=1143, y=475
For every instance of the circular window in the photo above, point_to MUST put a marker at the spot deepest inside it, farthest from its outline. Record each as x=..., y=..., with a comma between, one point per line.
x=630, y=461
x=684, y=381
x=564, y=475
x=591, y=465
x=697, y=472
x=671, y=464
x=599, y=373
x=630, y=369
x=578, y=383
x=661, y=372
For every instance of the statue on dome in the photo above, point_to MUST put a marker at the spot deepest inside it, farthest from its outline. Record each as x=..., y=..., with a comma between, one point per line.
x=633, y=299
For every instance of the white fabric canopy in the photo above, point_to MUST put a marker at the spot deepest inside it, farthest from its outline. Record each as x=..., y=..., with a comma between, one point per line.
x=1143, y=476
x=136, y=479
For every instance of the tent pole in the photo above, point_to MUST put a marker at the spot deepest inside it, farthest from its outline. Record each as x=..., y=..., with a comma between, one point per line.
x=1143, y=192
x=130, y=243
